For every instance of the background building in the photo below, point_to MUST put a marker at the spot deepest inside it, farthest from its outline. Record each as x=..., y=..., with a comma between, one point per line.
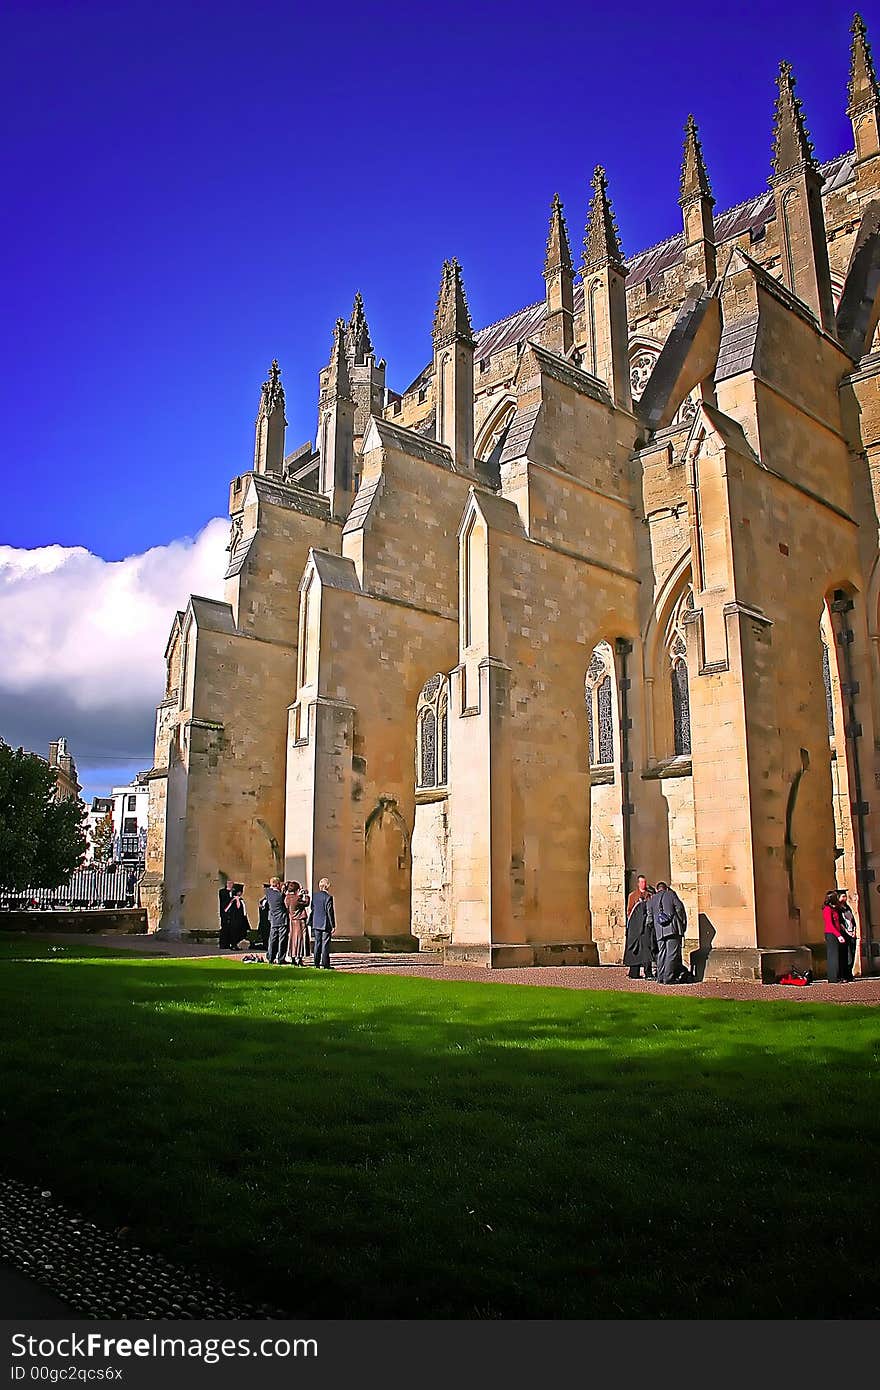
x=101, y=807
x=130, y=809
x=60, y=758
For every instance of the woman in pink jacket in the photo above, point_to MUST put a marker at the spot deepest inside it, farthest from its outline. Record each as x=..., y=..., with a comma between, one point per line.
x=835, y=941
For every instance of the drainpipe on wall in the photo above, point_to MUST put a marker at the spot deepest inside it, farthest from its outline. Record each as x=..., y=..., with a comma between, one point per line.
x=623, y=647
x=849, y=689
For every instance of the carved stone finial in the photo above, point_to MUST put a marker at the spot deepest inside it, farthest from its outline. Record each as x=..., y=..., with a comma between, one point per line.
x=694, y=178
x=863, y=89
x=452, y=320
x=338, y=378
x=358, y=332
x=272, y=392
x=558, y=257
x=602, y=239
x=791, y=141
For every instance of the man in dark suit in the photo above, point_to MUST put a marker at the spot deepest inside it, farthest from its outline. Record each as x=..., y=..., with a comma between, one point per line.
x=665, y=913
x=279, y=925
x=322, y=920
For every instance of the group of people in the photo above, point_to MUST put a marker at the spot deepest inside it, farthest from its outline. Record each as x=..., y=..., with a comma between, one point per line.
x=287, y=915
x=656, y=922
x=841, y=935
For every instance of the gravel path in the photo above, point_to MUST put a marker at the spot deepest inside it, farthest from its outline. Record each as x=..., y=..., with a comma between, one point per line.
x=96, y=1272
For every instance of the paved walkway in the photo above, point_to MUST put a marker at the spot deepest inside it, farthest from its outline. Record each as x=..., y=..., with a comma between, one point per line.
x=428, y=965
x=591, y=977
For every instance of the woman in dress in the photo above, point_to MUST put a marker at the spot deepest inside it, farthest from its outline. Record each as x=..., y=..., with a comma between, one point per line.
x=835, y=941
x=296, y=900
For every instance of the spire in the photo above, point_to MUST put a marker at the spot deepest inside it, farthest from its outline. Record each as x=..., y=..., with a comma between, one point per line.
x=338, y=379
x=694, y=179
x=863, y=110
x=272, y=392
x=791, y=140
x=452, y=320
x=270, y=424
x=602, y=240
x=558, y=330
x=336, y=429
x=358, y=332
x=797, y=195
x=696, y=202
x=558, y=257
x=454, y=346
x=605, y=316
x=863, y=89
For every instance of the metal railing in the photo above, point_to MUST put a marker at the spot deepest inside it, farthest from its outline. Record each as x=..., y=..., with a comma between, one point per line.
x=87, y=888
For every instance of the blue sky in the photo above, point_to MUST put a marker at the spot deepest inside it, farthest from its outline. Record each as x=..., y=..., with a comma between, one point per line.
x=195, y=188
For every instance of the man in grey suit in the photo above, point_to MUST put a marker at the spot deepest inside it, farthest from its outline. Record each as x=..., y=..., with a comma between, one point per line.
x=279, y=924
x=322, y=920
x=665, y=913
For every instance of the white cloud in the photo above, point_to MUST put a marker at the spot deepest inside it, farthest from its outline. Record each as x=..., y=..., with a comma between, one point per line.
x=82, y=640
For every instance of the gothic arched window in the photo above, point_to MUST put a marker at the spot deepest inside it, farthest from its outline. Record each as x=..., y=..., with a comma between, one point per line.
x=428, y=748
x=443, y=715
x=681, y=708
x=432, y=734
x=676, y=647
x=599, y=696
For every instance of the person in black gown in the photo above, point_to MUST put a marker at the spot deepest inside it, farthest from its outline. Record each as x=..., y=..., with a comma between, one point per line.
x=235, y=923
x=641, y=949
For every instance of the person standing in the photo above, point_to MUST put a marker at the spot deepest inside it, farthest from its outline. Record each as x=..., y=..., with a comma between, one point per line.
x=836, y=952
x=640, y=949
x=296, y=900
x=322, y=920
x=668, y=920
x=224, y=896
x=263, y=926
x=279, y=926
x=850, y=928
x=235, y=923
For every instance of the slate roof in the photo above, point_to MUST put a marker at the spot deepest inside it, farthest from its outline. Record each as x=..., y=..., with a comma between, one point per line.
x=336, y=571
x=212, y=614
x=749, y=216
x=239, y=555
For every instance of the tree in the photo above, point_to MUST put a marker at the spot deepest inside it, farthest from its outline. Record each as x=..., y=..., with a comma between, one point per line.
x=102, y=839
x=42, y=840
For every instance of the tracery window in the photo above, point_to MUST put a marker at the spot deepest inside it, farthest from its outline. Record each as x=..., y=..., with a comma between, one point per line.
x=640, y=368
x=676, y=647
x=428, y=748
x=432, y=734
x=681, y=709
x=641, y=365
x=443, y=716
x=494, y=432
x=599, y=696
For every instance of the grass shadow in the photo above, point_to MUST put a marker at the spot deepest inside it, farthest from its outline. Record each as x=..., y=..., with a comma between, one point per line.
x=399, y=1147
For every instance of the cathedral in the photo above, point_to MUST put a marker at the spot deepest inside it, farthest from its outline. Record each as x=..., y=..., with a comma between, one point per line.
x=598, y=594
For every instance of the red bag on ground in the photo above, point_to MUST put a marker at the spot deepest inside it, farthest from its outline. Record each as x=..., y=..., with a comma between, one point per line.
x=796, y=977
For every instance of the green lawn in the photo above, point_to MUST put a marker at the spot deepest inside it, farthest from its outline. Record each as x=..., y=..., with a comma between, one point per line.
x=373, y=1146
